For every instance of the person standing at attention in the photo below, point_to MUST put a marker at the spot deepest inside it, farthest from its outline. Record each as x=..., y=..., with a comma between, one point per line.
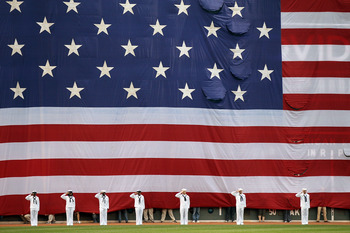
x=241, y=203
x=139, y=205
x=34, y=208
x=305, y=205
x=104, y=206
x=70, y=206
x=184, y=206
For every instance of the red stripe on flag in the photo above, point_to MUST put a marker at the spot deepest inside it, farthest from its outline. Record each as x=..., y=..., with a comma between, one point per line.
x=316, y=102
x=196, y=133
x=315, y=6
x=86, y=202
x=315, y=69
x=161, y=166
x=315, y=36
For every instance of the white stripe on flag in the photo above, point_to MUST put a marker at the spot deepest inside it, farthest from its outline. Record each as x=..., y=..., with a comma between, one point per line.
x=170, y=183
x=179, y=150
x=315, y=52
x=316, y=85
x=176, y=116
x=315, y=20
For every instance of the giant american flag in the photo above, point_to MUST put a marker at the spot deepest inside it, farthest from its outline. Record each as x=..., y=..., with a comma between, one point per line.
x=159, y=95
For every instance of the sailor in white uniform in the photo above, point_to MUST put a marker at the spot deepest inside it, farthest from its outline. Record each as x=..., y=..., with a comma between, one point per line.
x=139, y=204
x=305, y=205
x=104, y=206
x=184, y=206
x=240, y=205
x=34, y=208
x=70, y=206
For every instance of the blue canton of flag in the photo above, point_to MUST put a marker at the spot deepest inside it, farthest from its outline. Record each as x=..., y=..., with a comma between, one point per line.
x=133, y=53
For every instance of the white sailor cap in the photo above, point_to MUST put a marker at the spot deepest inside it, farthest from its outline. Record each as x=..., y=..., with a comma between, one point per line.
x=304, y=189
x=139, y=190
x=183, y=189
x=103, y=191
x=240, y=189
x=34, y=191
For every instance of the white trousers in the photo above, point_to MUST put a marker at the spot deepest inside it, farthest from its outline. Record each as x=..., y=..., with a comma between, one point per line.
x=69, y=216
x=103, y=216
x=184, y=216
x=304, y=216
x=33, y=217
x=240, y=215
x=139, y=213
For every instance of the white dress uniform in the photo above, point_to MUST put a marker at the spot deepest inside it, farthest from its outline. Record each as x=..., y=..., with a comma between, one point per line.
x=70, y=207
x=184, y=206
x=305, y=205
x=104, y=206
x=139, y=205
x=241, y=203
x=34, y=209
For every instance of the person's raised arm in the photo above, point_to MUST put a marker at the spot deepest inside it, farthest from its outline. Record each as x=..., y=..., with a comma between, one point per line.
x=63, y=196
x=298, y=194
x=28, y=197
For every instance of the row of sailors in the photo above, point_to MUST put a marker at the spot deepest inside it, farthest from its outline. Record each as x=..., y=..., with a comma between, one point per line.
x=139, y=204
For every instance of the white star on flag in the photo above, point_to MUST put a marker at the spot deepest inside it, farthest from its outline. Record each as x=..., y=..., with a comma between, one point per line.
x=236, y=10
x=47, y=69
x=129, y=48
x=215, y=72
x=186, y=92
x=184, y=49
x=45, y=26
x=105, y=69
x=131, y=91
x=265, y=73
x=161, y=70
x=75, y=90
x=102, y=27
x=15, y=5
x=71, y=5
x=18, y=91
x=239, y=93
x=237, y=52
x=264, y=31
x=182, y=8
x=127, y=7
x=212, y=29
x=73, y=48
x=157, y=28
x=16, y=48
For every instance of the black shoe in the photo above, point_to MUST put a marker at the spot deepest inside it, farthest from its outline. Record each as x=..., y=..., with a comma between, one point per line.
x=175, y=221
